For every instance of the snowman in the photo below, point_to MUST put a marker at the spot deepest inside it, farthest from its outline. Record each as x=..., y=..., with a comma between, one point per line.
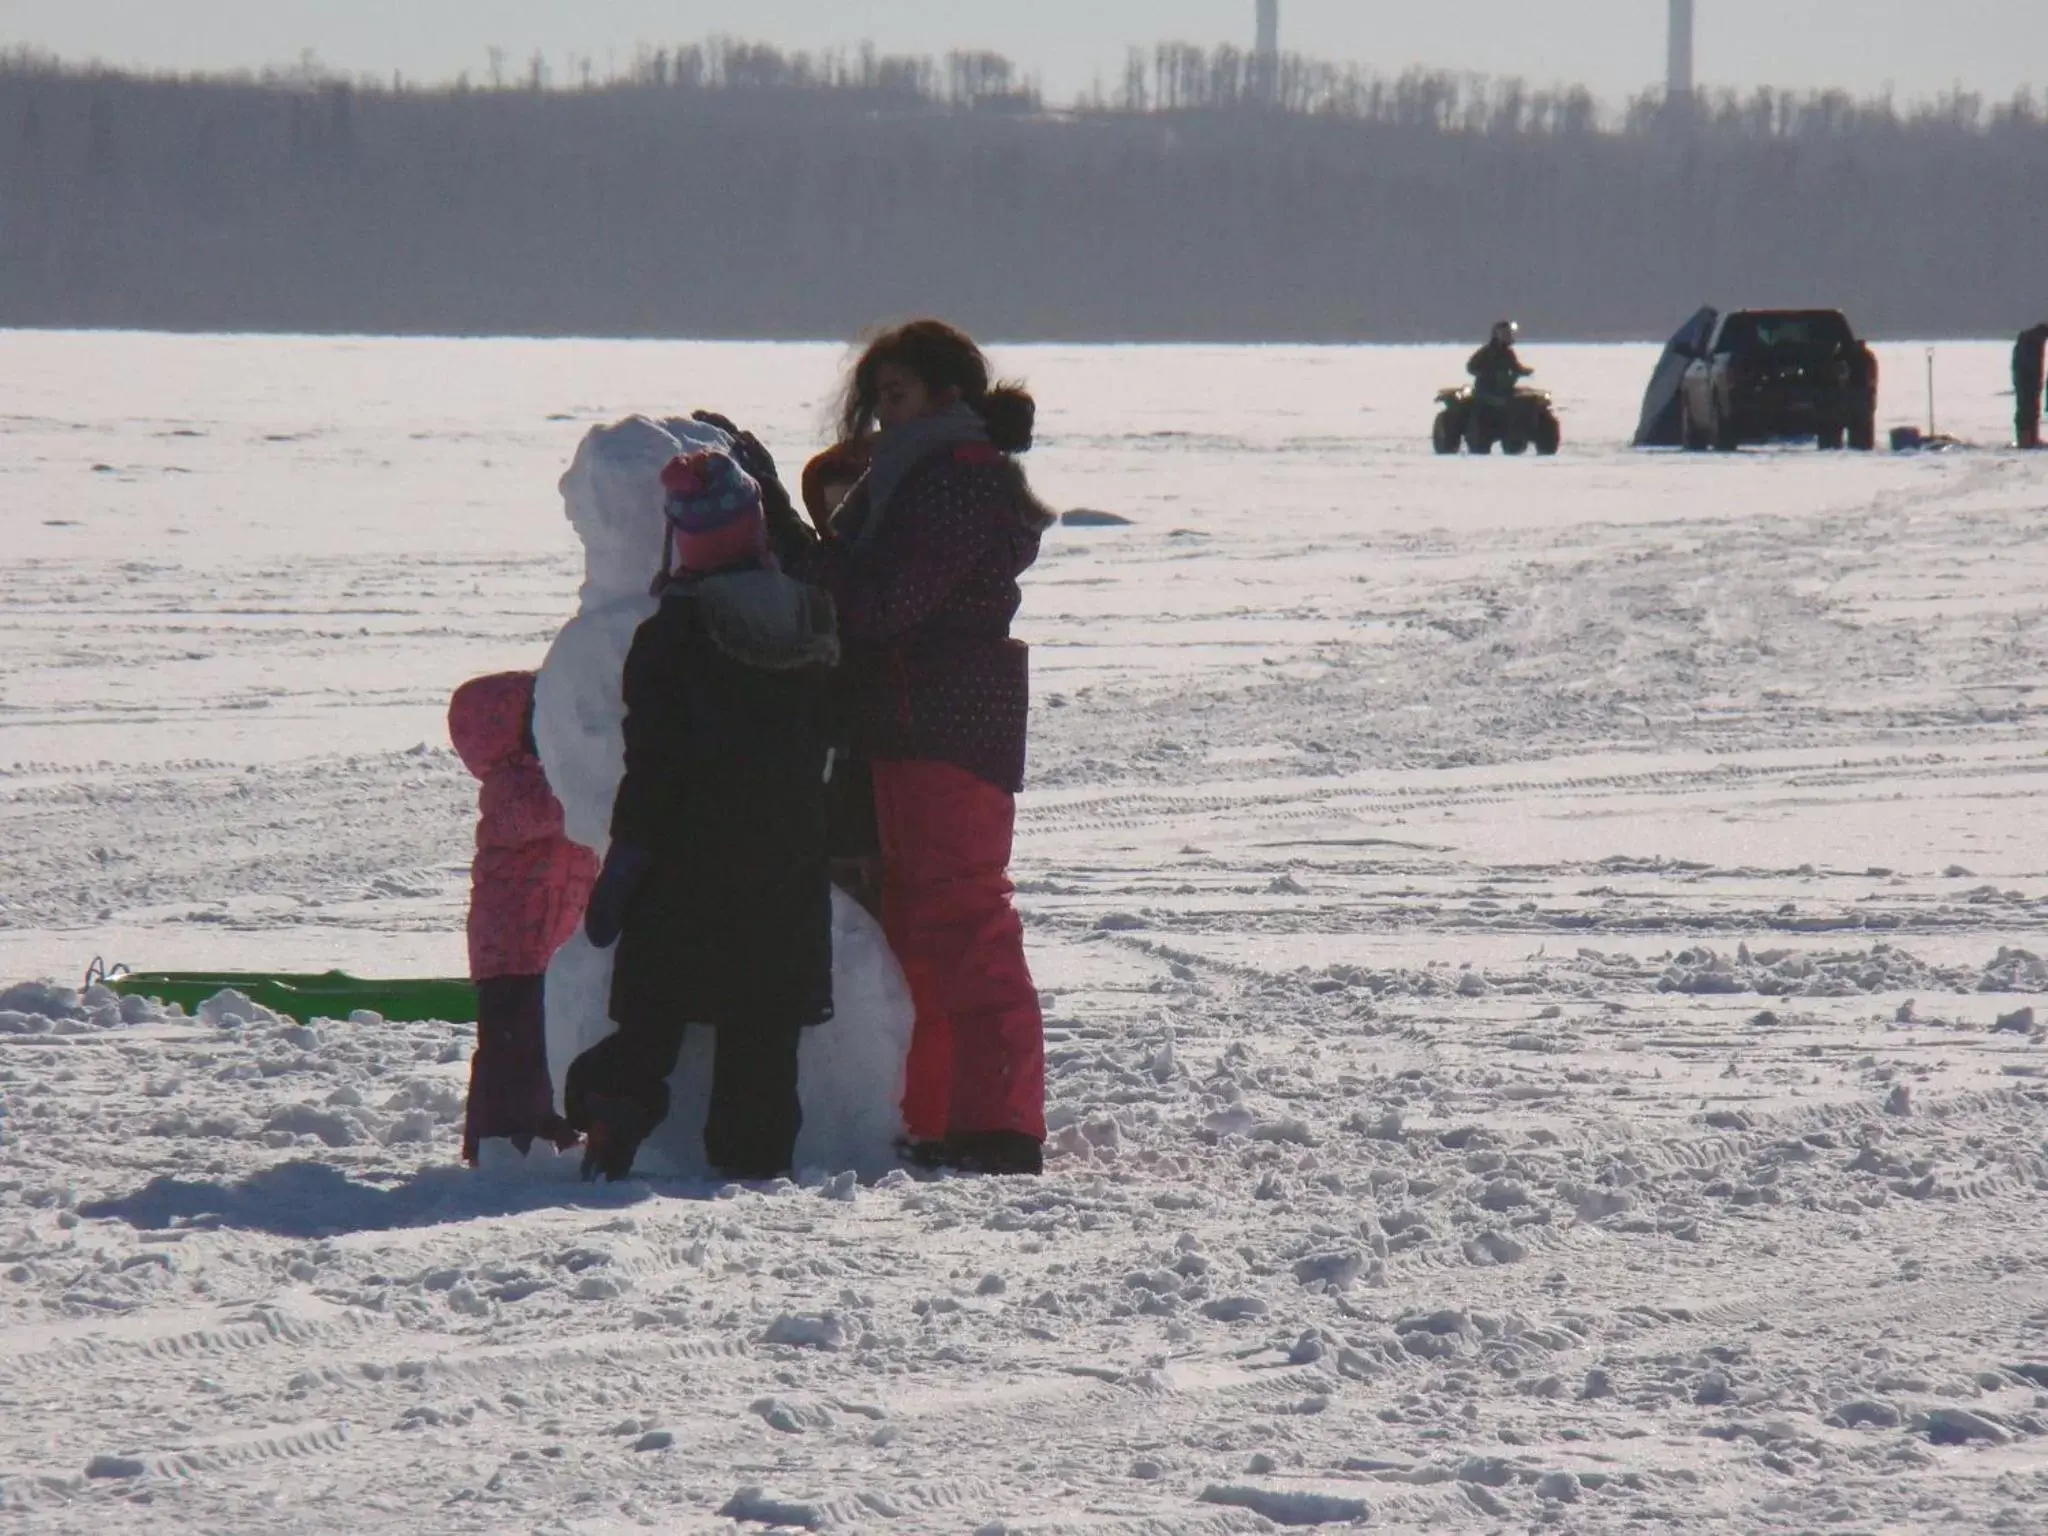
x=850, y=1069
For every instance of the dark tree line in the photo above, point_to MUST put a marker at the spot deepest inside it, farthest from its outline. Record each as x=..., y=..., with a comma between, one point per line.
x=728, y=189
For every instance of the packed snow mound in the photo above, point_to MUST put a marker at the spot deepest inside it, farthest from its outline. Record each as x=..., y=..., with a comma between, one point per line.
x=39, y=1008
x=851, y=1069
x=41, y=998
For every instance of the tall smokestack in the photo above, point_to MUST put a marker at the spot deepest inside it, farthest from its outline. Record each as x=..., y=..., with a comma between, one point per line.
x=1269, y=29
x=1266, y=55
x=1678, y=69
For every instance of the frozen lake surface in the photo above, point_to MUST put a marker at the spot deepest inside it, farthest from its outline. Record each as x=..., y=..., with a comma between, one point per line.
x=1525, y=945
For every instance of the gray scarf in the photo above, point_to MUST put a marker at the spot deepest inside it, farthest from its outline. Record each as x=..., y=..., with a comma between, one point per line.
x=901, y=449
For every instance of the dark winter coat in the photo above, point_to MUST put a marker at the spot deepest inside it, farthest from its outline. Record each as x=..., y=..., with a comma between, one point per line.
x=1496, y=370
x=930, y=672
x=725, y=789
x=529, y=882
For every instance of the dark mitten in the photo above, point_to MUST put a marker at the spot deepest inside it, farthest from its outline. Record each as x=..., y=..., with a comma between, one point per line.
x=605, y=918
x=724, y=424
x=751, y=453
x=789, y=536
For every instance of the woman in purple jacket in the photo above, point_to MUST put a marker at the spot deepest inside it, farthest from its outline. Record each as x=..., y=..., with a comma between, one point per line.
x=922, y=560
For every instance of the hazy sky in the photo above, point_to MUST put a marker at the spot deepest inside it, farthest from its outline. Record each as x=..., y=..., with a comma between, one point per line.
x=1614, y=46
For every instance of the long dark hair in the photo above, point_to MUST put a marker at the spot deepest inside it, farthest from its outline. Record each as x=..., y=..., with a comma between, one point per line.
x=942, y=357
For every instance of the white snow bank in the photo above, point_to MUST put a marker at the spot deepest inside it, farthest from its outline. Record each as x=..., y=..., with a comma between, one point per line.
x=1336, y=760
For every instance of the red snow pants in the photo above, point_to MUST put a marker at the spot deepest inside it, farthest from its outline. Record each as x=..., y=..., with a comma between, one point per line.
x=977, y=1054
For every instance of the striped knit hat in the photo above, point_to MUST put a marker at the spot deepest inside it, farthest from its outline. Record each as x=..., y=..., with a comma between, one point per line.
x=714, y=511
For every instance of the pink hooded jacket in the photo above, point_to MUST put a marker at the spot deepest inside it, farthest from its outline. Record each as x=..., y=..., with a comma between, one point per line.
x=529, y=884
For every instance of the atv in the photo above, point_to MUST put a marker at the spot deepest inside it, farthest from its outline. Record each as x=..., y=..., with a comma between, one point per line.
x=1524, y=422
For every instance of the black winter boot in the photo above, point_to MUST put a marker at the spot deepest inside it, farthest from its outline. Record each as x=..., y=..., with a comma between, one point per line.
x=616, y=1129
x=926, y=1155
x=994, y=1152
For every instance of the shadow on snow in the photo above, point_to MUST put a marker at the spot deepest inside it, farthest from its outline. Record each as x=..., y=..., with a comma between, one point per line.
x=313, y=1199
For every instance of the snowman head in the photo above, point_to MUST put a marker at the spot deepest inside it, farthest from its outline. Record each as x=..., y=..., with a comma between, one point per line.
x=612, y=496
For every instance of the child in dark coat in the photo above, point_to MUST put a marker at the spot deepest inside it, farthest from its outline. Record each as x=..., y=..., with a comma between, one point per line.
x=528, y=887
x=716, y=887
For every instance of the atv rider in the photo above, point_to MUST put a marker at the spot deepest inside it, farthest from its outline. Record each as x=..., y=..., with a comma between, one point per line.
x=1495, y=369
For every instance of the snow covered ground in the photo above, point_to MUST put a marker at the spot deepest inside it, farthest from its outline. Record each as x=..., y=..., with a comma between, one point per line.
x=1541, y=961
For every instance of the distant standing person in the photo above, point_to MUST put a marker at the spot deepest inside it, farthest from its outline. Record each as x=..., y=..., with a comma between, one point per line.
x=922, y=561
x=2027, y=358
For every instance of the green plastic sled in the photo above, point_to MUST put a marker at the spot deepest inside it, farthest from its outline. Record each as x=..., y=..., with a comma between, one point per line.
x=329, y=995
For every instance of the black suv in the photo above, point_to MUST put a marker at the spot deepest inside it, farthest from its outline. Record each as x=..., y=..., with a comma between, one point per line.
x=1774, y=373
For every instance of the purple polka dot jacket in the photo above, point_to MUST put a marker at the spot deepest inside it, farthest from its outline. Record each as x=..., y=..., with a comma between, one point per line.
x=930, y=671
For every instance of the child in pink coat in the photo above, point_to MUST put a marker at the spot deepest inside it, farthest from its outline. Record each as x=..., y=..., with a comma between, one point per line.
x=528, y=888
